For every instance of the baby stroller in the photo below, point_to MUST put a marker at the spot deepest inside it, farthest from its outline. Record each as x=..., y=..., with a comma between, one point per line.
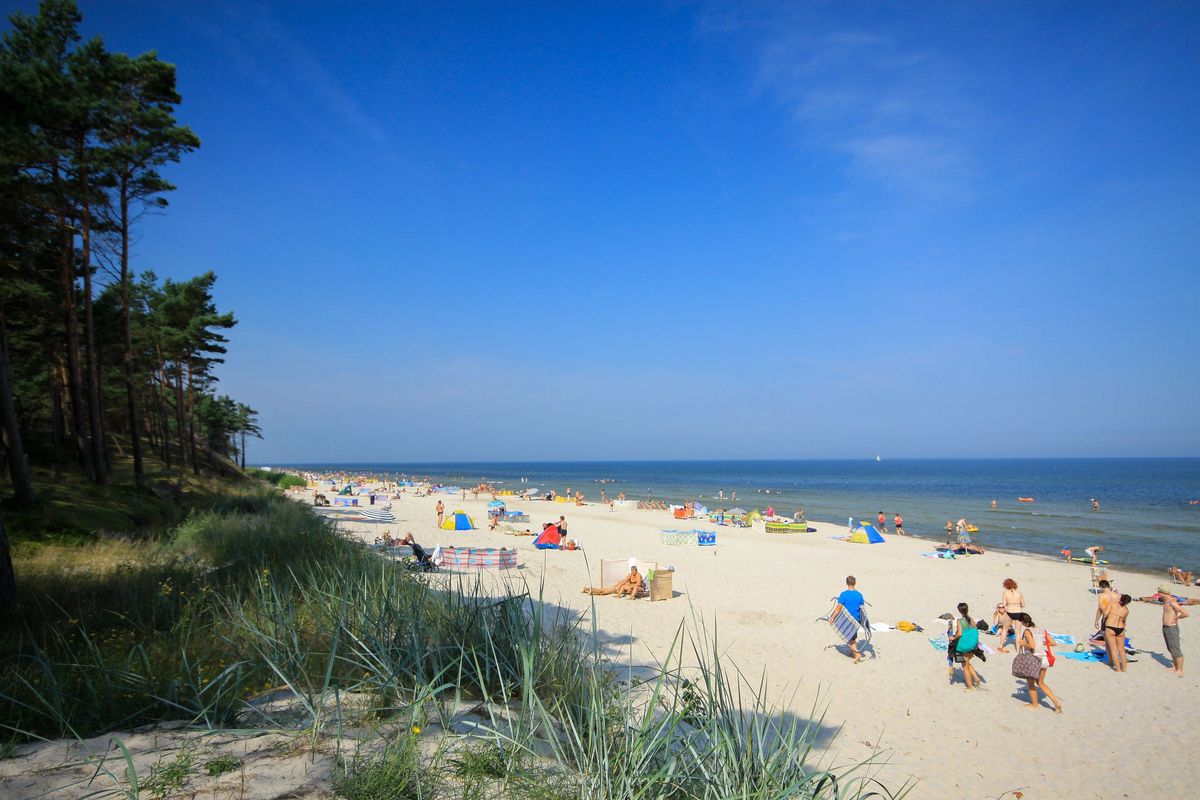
x=421, y=560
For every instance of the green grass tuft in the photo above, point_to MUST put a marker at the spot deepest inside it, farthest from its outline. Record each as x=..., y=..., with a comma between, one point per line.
x=168, y=777
x=215, y=767
x=394, y=774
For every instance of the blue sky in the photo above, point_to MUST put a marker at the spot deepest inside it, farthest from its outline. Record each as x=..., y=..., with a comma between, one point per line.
x=673, y=230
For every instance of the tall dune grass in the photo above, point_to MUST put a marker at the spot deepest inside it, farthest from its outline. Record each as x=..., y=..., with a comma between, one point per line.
x=258, y=593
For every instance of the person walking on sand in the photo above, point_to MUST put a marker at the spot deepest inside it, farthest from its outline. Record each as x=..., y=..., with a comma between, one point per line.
x=1172, y=613
x=562, y=525
x=441, y=512
x=1037, y=641
x=898, y=523
x=852, y=600
x=881, y=521
x=1114, y=632
x=966, y=644
x=1012, y=603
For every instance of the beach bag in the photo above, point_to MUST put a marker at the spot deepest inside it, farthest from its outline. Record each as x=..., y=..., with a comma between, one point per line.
x=1049, y=652
x=968, y=642
x=1027, y=665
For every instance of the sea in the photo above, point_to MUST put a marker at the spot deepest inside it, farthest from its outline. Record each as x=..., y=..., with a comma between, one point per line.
x=1148, y=519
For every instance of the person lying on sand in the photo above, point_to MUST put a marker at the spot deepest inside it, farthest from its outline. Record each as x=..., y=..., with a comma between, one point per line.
x=631, y=585
x=1156, y=599
x=962, y=549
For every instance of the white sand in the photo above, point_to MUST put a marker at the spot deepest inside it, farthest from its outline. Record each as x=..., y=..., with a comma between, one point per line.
x=764, y=592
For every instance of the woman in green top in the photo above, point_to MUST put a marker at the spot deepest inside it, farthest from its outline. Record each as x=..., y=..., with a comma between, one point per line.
x=968, y=642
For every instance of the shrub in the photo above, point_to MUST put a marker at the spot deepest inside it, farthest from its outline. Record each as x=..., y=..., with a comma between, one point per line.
x=288, y=481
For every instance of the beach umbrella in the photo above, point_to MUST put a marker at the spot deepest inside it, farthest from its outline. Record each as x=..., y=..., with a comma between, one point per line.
x=496, y=504
x=736, y=511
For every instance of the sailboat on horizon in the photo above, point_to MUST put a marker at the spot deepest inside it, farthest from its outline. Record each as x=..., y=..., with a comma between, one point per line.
x=877, y=458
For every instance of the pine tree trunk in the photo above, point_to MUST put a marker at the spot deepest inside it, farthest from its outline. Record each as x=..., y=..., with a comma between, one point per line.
x=56, y=410
x=8, y=580
x=95, y=421
x=160, y=402
x=243, y=451
x=150, y=425
x=66, y=286
x=18, y=467
x=182, y=429
x=191, y=418
x=135, y=421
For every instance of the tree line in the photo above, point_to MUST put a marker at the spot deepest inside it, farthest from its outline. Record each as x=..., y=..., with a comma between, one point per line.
x=92, y=352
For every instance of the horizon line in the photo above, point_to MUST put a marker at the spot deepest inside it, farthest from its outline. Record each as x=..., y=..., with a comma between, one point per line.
x=719, y=460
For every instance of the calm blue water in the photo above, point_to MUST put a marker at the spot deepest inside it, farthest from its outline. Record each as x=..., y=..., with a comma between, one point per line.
x=1145, y=521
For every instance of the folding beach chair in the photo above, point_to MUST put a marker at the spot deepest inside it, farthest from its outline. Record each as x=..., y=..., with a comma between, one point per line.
x=847, y=626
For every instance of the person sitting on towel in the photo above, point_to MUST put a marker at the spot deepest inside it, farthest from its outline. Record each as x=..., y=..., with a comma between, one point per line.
x=630, y=585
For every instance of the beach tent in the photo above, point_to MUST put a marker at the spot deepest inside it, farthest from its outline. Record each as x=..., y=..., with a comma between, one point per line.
x=866, y=534
x=549, y=539
x=458, y=521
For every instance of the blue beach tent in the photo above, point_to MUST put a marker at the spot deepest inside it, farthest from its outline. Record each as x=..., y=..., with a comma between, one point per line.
x=866, y=534
x=458, y=521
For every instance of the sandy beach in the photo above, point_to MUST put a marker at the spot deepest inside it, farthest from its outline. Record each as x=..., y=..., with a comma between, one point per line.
x=765, y=591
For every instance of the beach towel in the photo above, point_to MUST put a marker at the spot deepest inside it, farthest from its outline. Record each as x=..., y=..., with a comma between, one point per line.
x=940, y=643
x=1098, y=656
x=1063, y=639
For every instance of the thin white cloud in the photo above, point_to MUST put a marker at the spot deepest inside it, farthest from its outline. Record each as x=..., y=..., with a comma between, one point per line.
x=264, y=50
x=896, y=112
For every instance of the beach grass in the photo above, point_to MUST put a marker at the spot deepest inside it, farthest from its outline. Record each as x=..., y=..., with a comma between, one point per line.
x=255, y=597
